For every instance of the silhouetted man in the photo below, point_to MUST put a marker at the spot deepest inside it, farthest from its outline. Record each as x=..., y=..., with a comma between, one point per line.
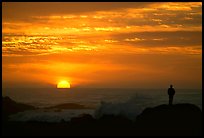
x=171, y=93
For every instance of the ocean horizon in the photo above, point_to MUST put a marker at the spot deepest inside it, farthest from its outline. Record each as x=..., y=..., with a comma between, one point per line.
x=39, y=97
x=127, y=101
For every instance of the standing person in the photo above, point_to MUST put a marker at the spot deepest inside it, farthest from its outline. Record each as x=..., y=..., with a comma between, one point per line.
x=171, y=93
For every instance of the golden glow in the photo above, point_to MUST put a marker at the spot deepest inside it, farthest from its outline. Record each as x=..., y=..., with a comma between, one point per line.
x=116, y=47
x=63, y=84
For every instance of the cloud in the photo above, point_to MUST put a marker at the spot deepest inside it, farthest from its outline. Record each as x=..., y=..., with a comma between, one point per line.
x=23, y=10
x=101, y=27
x=161, y=38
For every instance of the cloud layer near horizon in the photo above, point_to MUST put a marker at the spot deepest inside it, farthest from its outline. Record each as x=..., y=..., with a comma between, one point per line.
x=129, y=38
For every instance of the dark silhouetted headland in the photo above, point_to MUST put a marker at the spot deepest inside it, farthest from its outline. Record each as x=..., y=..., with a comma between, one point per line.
x=162, y=120
x=179, y=119
x=9, y=107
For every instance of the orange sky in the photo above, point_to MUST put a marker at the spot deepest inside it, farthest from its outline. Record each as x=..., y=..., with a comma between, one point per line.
x=140, y=45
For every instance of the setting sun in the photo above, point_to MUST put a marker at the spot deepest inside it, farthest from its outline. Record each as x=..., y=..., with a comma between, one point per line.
x=69, y=67
x=63, y=84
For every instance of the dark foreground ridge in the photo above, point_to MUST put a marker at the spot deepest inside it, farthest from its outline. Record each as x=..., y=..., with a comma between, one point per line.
x=179, y=119
x=11, y=107
x=163, y=120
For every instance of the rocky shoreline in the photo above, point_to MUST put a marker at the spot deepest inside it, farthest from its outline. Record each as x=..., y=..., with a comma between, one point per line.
x=163, y=120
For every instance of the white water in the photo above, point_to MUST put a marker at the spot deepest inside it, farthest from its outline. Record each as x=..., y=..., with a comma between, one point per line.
x=128, y=102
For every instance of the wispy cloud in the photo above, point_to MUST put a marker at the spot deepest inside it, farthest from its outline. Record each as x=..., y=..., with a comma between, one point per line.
x=110, y=41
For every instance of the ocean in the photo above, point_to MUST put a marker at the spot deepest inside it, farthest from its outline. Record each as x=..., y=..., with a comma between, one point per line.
x=128, y=102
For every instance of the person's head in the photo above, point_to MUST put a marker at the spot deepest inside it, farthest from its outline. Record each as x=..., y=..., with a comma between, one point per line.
x=171, y=86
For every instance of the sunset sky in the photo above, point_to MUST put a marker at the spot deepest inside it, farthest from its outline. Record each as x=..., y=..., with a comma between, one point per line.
x=128, y=45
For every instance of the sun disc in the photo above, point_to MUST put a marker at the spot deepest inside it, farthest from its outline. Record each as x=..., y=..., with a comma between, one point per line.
x=63, y=84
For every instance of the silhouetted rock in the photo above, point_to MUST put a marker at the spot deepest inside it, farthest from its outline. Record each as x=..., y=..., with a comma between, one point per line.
x=84, y=118
x=179, y=119
x=116, y=120
x=11, y=107
x=68, y=106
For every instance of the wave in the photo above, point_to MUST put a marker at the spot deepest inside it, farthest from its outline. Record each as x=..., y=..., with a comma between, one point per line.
x=51, y=115
x=129, y=109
